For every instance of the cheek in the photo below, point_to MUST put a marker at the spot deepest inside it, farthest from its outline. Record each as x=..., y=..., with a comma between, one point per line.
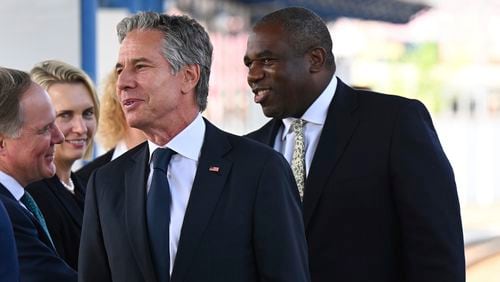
x=64, y=127
x=91, y=127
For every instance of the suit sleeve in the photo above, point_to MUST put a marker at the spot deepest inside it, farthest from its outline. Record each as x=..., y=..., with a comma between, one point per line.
x=93, y=263
x=9, y=267
x=279, y=237
x=37, y=260
x=426, y=200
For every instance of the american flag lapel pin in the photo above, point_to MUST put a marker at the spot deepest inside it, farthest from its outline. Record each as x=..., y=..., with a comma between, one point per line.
x=214, y=169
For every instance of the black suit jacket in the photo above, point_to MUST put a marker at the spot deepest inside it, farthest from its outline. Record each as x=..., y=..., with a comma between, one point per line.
x=242, y=223
x=9, y=267
x=63, y=214
x=84, y=172
x=38, y=260
x=380, y=201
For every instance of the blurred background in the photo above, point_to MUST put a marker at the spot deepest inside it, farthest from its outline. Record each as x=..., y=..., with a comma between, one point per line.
x=442, y=52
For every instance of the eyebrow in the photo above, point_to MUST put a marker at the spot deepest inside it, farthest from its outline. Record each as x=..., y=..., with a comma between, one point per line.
x=134, y=61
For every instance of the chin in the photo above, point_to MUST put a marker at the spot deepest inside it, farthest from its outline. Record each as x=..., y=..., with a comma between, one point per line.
x=49, y=172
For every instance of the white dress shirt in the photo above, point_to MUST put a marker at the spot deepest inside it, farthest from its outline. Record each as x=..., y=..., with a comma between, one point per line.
x=181, y=172
x=120, y=148
x=315, y=117
x=13, y=186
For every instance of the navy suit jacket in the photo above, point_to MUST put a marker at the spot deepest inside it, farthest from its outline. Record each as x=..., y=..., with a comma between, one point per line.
x=380, y=201
x=38, y=260
x=63, y=212
x=9, y=267
x=242, y=223
x=84, y=172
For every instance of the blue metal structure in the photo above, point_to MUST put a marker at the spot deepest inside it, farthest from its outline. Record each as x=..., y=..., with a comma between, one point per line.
x=88, y=12
x=88, y=9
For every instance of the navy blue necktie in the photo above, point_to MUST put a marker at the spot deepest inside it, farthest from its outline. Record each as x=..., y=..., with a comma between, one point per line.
x=158, y=213
x=31, y=205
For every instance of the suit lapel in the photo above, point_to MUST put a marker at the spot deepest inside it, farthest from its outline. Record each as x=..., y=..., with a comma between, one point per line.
x=41, y=232
x=135, y=176
x=66, y=199
x=341, y=121
x=211, y=175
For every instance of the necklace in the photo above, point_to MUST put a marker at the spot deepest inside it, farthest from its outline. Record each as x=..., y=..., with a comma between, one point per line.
x=70, y=185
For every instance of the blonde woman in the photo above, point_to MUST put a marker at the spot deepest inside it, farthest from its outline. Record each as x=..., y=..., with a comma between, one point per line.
x=61, y=197
x=114, y=134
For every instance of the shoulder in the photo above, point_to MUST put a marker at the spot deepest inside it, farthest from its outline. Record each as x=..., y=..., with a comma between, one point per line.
x=379, y=106
x=261, y=132
x=39, y=187
x=255, y=155
x=125, y=159
x=85, y=172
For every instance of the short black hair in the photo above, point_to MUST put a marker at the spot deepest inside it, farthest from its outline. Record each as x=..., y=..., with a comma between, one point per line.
x=304, y=29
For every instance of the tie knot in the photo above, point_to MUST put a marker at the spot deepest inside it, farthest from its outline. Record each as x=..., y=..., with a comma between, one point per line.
x=161, y=157
x=298, y=126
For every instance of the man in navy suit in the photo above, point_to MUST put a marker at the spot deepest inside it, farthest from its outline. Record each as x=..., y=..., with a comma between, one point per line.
x=27, y=138
x=222, y=209
x=9, y=267
x=379, y=197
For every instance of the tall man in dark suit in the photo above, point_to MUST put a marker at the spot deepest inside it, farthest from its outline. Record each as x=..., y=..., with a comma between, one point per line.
x=222, y=209
x=379, y=197
x=27, y=138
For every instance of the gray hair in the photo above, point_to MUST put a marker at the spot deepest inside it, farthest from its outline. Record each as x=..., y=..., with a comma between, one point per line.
x=185, y=42
x=304, y=30
x=13, y=85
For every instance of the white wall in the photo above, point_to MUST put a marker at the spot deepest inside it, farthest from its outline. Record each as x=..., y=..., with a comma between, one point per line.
x=36, y=30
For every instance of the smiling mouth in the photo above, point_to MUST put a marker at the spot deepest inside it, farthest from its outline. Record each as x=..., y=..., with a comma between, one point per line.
x=77, y=142
x=261, y=95
x=129, y=103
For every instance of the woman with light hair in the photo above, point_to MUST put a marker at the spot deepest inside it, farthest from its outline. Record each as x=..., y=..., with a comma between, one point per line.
x=114, y=134
x=61, y=198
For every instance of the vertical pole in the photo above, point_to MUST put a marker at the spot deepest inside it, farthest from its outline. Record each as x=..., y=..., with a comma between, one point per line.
x=88, y=11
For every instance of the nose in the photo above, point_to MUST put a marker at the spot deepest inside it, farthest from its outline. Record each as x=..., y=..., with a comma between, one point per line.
x=79, y=125
x=124, y=80
x=57, y=136
x=255, y=73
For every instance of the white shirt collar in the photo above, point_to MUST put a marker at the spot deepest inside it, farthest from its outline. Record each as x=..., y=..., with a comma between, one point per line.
x=188, y=142
x=317, y=112
x=12, y=185
x=120, y=148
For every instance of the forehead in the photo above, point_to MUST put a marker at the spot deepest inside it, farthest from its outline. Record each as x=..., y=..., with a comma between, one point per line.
x=268, y=37
x=36, y=106
x=62, y=93
x=139, y=43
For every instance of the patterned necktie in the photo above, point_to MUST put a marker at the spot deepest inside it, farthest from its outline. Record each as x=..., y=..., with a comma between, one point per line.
x=298, y=157
x=158, y=213
x=31, y=205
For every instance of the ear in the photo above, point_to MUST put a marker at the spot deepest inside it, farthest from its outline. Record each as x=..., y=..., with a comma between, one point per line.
x=3, y=143
x=317, y=57
x=190, y=76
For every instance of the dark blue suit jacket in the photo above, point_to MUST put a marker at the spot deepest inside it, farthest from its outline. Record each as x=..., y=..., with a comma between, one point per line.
x=85, y=172
x=38, y=260
x=63, y=212
x=242, y=223
x=9, y=267
x=380, y=200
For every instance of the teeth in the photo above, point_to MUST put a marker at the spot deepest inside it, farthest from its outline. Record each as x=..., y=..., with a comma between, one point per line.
x=76, y=142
